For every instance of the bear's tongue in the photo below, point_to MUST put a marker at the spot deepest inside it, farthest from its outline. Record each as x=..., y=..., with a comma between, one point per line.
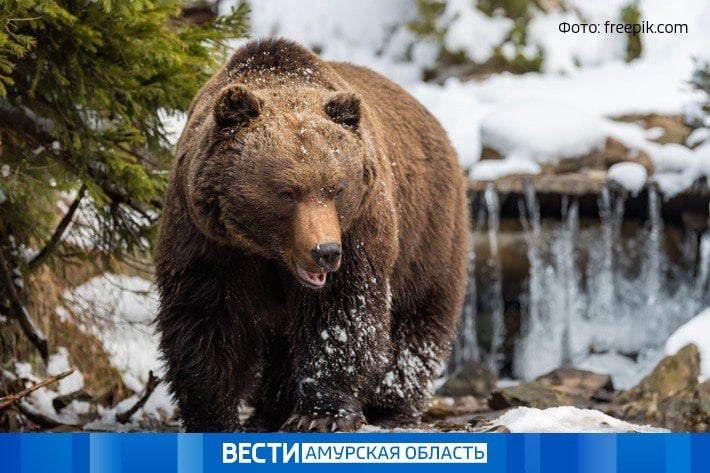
x=316, y=279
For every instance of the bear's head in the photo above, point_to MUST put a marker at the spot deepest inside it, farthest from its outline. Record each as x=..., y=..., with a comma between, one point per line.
x=283, y=174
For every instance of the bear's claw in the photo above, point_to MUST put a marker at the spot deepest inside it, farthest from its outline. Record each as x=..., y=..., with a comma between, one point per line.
x=324, y=423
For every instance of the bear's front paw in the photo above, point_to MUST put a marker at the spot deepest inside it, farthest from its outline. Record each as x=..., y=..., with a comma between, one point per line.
x=340, y=422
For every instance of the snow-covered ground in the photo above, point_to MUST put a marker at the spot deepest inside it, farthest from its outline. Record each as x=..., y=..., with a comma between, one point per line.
x=566, y=419
x=119, y=311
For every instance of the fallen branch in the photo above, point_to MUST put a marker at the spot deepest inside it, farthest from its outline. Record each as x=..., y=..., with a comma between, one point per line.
x=153, y=382
x=37, y=418
x=18, y=311
x=12, y=398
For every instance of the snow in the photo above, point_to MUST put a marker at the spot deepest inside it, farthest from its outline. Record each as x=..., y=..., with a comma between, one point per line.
x=566, y=52
x=625, y=373
x=472, y=31
x=543, y=131
x=677, y=167
x=119, y=310
x=631, y=176
x=59, y=363
x=40, y=401
x=566, y=419
x=492, y=169
x=460, y=117
x=696, y=331
x=342, y=31
x=158, y=407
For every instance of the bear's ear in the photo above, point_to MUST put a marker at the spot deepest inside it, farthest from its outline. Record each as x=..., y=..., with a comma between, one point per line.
x=236, y=106
x=344, y=108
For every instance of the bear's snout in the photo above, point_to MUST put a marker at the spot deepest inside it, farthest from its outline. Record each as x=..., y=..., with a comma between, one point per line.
x=315, y=249
x=327, y=255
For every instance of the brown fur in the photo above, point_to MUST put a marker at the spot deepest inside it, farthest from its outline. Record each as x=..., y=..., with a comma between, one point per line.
x=283, y=152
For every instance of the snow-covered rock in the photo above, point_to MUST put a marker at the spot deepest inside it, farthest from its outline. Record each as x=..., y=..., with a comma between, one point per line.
x=544, y=132
x=697, y=332
x=566, y=419
x=624, y=371
x=492, y=169
x=631, y=176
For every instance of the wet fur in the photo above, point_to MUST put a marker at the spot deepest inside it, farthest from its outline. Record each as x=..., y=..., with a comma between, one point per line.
x=235, y=324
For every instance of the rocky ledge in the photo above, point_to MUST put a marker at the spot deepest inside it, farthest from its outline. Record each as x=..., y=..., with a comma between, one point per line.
x=670, y=397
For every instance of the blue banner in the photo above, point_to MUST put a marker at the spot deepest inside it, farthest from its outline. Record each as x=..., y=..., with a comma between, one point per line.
x=411, y=452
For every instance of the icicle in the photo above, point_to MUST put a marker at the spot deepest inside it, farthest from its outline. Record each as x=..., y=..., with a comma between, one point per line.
x=470, y=349
x=466, y=345
x=575, y=305
x=601, y=277
x=525, y=362
x=496, y=289
x=653, y=254
x=532, y=237
x=702, y=283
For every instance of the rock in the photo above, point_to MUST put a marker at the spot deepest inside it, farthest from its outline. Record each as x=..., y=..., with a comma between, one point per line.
x=672, y=376
x=616, y=152
x=442, y=408
x=490, y=153
x=592, y=160
x=589, y=181
x=558, y=137
x=481, y=424
x=689, y=410
x=534, y=394
x=672, y=128
x=578, y=383
x=472, y=379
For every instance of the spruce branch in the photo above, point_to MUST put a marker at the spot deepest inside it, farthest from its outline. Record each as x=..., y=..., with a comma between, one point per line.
x=56, y=237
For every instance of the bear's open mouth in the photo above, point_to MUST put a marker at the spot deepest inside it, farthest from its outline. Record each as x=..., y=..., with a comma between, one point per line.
x=311, y=279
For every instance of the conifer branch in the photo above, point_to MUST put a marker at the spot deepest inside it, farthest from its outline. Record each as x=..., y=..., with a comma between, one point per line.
x=56, y=237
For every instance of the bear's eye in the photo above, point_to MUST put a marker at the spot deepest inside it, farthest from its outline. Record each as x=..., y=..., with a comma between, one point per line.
x=287, y=195
x=337, y=192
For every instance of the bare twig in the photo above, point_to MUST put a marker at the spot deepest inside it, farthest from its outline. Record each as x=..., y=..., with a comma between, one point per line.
x=41, y=257
x=150, y=386
x=18, y=311
x=12, y=398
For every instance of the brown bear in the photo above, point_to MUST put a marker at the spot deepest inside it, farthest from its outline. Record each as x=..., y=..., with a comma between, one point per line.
x=312, y=253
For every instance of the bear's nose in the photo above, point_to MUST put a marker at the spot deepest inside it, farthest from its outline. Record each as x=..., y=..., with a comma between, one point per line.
x=326, y=255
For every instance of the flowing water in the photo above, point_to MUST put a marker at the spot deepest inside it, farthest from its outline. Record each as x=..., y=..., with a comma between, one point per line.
x=600, y=295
